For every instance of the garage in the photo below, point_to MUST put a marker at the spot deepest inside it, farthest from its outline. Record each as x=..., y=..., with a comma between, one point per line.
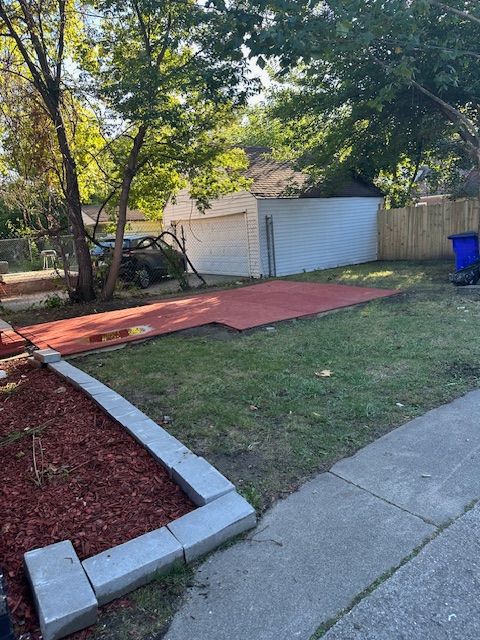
x=281, y=225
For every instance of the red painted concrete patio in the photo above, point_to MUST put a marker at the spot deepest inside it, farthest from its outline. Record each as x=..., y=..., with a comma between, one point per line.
x=240, y=309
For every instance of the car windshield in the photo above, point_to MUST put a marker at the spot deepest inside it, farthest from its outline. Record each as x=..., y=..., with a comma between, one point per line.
x=149, y=243
x=145, y=243
x=108, y=243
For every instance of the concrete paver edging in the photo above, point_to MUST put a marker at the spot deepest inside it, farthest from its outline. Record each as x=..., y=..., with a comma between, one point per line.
x=68, y=592
x=132, y=564
x=46, y=356
x=63, y=595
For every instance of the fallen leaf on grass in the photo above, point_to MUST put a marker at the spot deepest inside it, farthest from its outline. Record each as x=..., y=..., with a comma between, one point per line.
x=325, y=373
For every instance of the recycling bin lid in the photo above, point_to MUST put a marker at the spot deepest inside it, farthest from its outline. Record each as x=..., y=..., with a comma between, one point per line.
x=466, y=234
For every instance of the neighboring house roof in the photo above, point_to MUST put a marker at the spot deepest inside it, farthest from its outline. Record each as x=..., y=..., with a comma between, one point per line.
x=90, y=214
x=279, y=179
x=437, y=198
x=468, y=187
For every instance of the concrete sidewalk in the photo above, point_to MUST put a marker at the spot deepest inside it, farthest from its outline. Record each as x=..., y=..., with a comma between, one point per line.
x=315, y=551
x=435, y=596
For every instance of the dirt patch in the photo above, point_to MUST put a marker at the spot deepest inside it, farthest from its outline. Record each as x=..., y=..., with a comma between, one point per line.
x=464, y=370
x=69, y=473
x=213, y=331
x=246, y=465
x=71, y=310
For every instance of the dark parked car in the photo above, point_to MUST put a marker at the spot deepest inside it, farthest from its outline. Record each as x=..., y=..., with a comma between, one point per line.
x=143, y=261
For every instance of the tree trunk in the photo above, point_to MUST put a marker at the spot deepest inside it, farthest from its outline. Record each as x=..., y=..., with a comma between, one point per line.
x=48, y=85
x=84, y=289
x=129, y=172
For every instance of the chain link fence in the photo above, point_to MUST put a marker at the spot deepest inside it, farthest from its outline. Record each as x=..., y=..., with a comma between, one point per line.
x=143, y=264
x=25, y=254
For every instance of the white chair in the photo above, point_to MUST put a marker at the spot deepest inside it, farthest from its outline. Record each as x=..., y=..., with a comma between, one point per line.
x=49, y=255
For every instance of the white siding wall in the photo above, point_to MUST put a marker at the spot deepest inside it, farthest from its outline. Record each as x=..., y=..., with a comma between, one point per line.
x=318, y=233
x=184, y=212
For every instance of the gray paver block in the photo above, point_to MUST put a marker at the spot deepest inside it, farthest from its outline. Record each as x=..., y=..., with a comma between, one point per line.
x=310, y=555
x=71, y=373
x=94, y=388
x=111, y=401
x=144, y=429
x=129, y=565
x=202, y=530
x=116, y=405
x=47, y=355
x=164, y=447
x=428, y=466
x=433, y=597
x=168, y=451
x=200, y=481
x=63, y=595
x=124, y=411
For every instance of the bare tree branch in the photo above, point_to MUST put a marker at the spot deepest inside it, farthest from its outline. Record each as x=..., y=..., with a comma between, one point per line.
x=457, y=12
x=61, y=43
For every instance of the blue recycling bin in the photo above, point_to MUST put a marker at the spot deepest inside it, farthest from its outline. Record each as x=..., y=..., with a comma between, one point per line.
x=465, y=247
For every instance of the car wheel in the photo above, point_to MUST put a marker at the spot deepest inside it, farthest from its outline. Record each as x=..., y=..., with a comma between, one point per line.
x=144, y=276
x=128, y=271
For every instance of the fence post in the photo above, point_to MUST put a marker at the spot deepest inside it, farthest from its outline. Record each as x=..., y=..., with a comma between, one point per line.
x=30, y=252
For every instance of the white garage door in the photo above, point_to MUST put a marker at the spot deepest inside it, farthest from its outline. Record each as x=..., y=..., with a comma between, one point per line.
x=218, y=245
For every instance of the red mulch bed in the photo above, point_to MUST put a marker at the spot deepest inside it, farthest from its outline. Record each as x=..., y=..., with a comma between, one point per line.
x=98, y=488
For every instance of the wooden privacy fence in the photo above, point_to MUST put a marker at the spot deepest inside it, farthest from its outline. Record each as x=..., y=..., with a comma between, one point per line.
x=421, y=233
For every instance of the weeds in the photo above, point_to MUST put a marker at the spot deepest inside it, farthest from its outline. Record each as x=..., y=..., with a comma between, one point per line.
x=18, y=435
x=8, y=389
x=53, y=301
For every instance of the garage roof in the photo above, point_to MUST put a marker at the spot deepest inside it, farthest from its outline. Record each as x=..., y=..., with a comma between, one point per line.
x=90, y=213
x=275, y=179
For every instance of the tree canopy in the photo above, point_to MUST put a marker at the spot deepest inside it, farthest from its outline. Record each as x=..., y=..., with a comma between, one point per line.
x=123, y=102
x=135, y=94
x=389, y=82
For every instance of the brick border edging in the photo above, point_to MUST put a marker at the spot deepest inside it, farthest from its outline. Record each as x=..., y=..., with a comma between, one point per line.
x=221, y=514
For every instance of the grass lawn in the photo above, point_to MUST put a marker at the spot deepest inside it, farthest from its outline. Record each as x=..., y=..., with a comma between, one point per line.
x=252, y=404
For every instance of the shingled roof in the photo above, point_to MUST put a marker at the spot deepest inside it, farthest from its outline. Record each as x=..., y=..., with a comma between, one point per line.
x=274, y=179
x=90, y=215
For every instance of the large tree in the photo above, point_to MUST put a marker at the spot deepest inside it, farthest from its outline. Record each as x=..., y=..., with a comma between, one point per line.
x=391, y=79
x=38, y=39
x=161, y=76
x=170, y=72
